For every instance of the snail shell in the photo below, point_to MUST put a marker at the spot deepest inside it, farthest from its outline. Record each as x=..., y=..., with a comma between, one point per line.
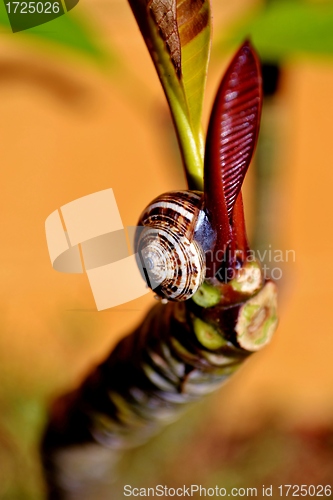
x=172, y=259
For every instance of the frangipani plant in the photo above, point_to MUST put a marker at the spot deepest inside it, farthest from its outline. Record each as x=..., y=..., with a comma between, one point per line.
x=216, y=305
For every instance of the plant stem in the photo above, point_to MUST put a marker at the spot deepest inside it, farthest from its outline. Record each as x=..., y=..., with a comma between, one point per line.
x=173, y=358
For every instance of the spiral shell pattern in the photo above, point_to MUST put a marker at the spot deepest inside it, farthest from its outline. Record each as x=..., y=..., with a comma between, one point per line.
x=173, y=263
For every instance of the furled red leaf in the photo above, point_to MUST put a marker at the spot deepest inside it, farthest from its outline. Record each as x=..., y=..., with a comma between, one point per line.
x=231, y=139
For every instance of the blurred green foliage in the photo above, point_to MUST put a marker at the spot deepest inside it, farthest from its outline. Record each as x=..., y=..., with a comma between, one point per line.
x=284, y=28
x=69, y=31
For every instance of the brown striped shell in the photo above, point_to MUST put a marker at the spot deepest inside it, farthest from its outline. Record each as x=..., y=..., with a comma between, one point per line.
x=170, y=259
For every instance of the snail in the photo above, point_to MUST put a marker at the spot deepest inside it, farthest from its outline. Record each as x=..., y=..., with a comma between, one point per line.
x=182, y=235
x=173, y=234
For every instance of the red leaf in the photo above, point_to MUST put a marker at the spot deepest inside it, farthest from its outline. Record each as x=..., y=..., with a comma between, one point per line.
x=231, y=139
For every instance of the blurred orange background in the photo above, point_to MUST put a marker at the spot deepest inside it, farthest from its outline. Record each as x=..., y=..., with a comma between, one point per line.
x=69, y=129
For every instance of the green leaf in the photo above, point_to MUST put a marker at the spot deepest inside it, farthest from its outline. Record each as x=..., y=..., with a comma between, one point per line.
x=177, y=34
x=69, y=31
x=285, y=28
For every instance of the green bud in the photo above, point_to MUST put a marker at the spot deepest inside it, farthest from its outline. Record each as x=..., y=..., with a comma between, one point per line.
x=249, y=278
x=207, y=296
x=257, y=319
x=207, y=335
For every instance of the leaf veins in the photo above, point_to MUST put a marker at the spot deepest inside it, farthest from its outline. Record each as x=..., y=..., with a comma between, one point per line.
x=164, y=13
